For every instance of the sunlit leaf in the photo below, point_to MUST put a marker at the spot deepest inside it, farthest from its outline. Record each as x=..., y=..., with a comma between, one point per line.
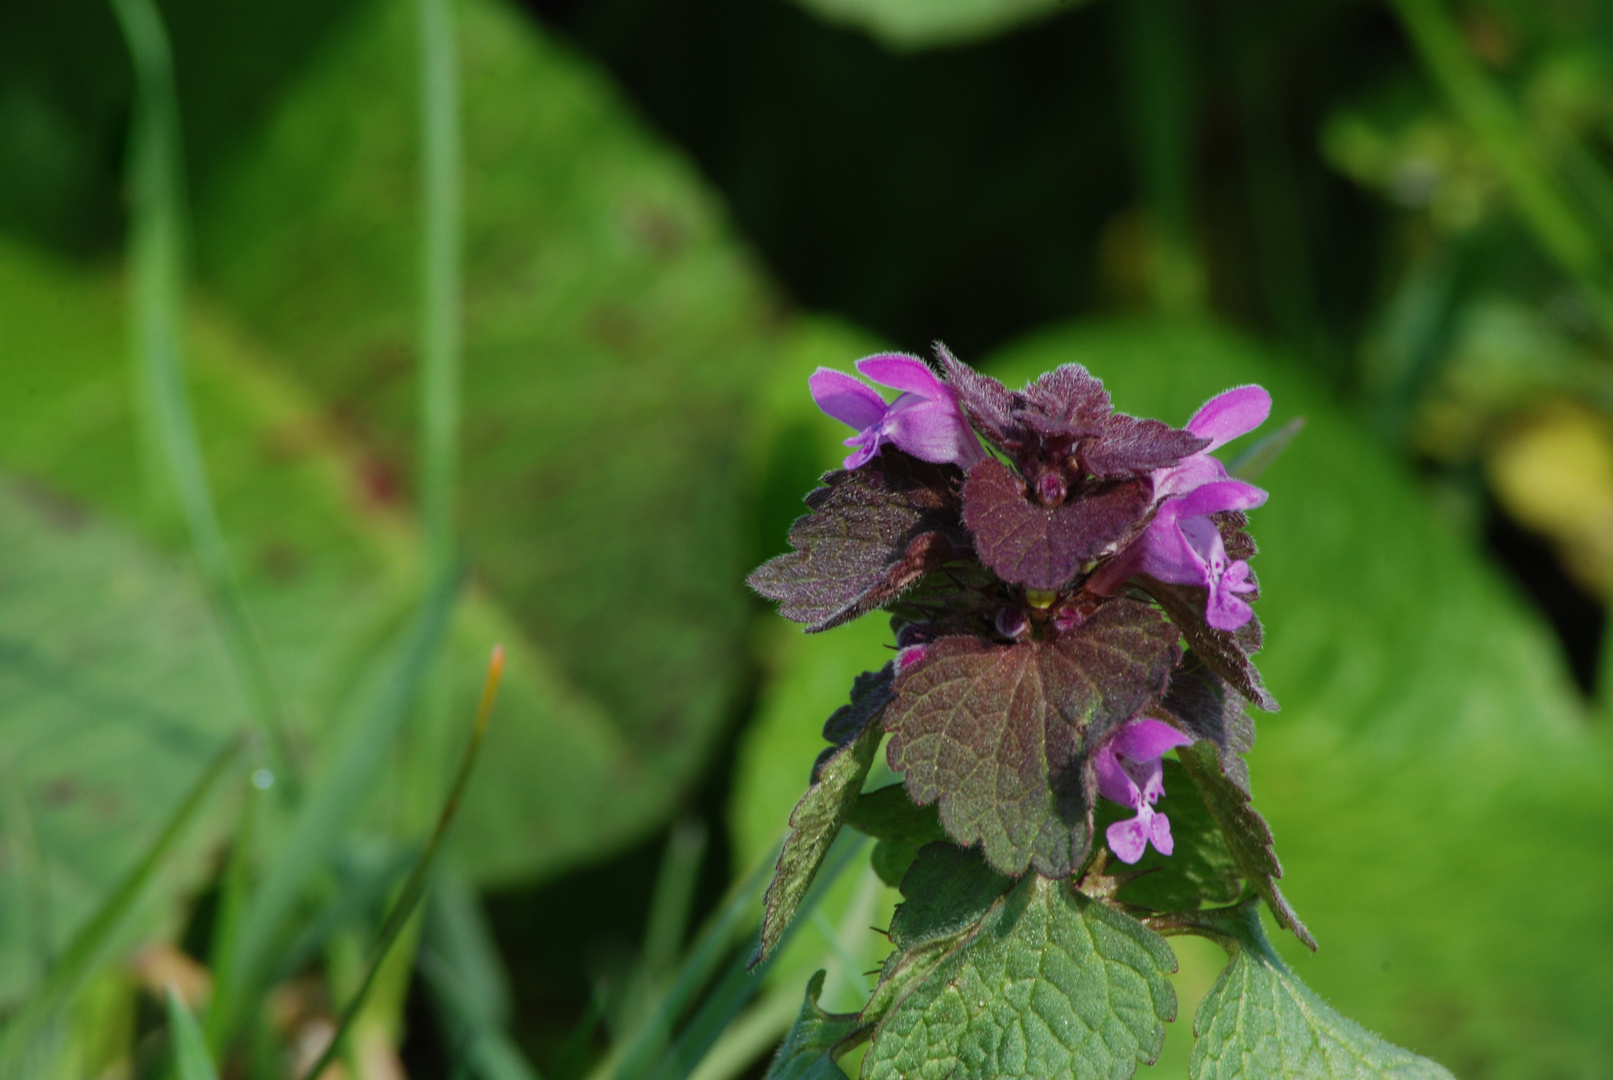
x=1259, y=1020
x=1050, y=984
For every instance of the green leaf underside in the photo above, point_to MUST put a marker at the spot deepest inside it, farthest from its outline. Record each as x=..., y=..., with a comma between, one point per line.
x=946, y=890
x=815, y=822
x=1199, y=869
x=888, y=815
x=901, y=828
x=1258, y=1020
x=870, y=535
x=1050, y=984
x=807, y=1052
x=1248, y=837
x=999, y=736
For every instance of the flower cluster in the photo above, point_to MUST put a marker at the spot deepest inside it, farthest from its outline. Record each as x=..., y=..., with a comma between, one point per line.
x=1044, y=559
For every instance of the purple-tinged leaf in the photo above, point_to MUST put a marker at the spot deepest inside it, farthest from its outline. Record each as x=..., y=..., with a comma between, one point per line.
x=1067, y=401
x=986, y=402
x=1227, y=652
x=1203, y=705
x=1044, y=547
x=1000, y=735
x=1247, y=835
x=872, y=533
x=870, y=692
x=1127, y=447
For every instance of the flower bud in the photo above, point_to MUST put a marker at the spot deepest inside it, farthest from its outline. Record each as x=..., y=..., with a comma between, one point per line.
x=1012, y=622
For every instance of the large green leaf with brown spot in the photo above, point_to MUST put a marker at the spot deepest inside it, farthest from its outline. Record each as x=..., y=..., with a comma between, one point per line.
x=613, y=329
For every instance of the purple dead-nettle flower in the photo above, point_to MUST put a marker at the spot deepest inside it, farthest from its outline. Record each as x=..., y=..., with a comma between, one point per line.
x=1130, y=773
x=1183, y=545
x=924, y=420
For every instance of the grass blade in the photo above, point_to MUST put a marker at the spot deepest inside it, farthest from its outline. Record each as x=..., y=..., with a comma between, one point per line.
x=441, y=334
x=740, y=982
x=87, y=943
x=331, y=801
x=715, y=940
x=415, y=887
x=485, y=1049
x=157, y=258
x=191, y=1059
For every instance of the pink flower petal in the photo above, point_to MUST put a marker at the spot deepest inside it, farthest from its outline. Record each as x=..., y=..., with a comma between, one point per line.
x=903, y=372
x=1162, y=835
x=1219, y=496
x=1229, y=414
x=846, y=399
x=1147, y=738
x=1129, y=839
x=1113, y=782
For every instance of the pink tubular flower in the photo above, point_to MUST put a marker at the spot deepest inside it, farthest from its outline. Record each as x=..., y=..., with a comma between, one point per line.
x=1182, y=545
x=1131, y=774
x=924, y=420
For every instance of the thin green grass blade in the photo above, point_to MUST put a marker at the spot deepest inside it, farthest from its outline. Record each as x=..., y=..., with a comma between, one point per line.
x=415, y=887
x=330, y=804
x=235, y=887
x=668, y=921
x=157, y=261
x=483, y=1048
x=740, y=982
x=191, y=1058
x=441, y=323
x=1258, y=458
x=717, y=937
x=85, y=948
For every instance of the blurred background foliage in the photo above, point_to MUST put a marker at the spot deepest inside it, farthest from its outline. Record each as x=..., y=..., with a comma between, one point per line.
x=1398, y=216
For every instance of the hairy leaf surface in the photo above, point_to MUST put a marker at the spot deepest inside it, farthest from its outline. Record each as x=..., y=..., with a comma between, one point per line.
x=872, y=533
x=817, y=818
x=1039, y=546
x=1259, y=1020
x=807, y=1052
x=1202, y=703
x=1247, y=835
x=1051, y=984
x=999, y=735
x=1226, y=652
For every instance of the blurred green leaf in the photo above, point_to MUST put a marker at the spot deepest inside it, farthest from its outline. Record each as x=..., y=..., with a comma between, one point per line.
x=922, y=24
x=329, y=561
x=116, y=695
x=613, y=330
x=1050, y=984
x=1258, y=1020
x=1431, y=773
